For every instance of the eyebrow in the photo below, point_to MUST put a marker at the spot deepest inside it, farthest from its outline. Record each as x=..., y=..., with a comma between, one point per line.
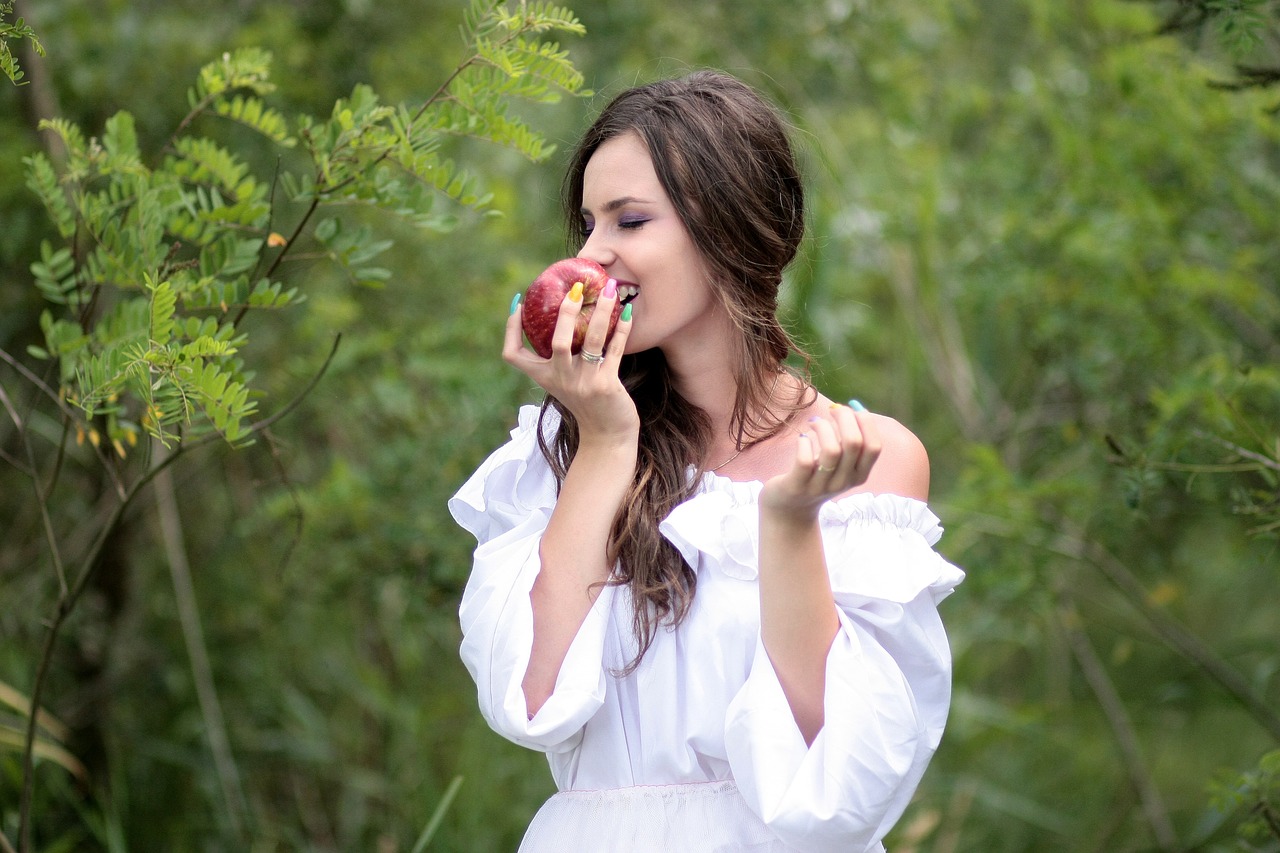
x=617, y=203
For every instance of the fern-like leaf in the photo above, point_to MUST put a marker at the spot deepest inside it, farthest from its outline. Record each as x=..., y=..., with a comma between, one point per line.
x=244, y=68
x=43, y=181
x=120, y=144
x=55, y=276
x=224, y=400
x=163, y=303
x=256, y=115
x=79, y=163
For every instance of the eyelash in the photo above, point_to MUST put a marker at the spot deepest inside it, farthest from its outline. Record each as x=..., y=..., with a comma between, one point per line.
x=624, y=224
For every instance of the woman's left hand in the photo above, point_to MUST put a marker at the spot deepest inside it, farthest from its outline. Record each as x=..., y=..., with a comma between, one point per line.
x=835, y=454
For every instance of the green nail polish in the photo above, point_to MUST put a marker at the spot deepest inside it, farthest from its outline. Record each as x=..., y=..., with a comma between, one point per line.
x=626, y=313
x=515, y=303
x=856, y=406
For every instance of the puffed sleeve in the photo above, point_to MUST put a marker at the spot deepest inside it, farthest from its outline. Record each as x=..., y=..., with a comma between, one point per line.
x=506, y=505
x=888, y=674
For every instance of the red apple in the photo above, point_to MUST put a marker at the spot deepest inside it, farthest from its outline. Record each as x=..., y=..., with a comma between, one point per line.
x=543, y=298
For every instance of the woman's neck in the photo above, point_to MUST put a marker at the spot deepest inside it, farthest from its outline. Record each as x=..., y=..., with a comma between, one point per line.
x=703, y=369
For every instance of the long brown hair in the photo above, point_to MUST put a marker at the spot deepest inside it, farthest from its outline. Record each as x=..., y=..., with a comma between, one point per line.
x=722, y=155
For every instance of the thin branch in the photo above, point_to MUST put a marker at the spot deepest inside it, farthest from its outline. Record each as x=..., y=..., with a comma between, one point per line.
x=17, y=463
x=200, y=107
x=67, y=412
x=315, y=202
x=1264, y=461
x=42, y=501
x=299, y=514
x=1095, y=673
x=266, y=422
x=1174, y=634
x=1194, y=467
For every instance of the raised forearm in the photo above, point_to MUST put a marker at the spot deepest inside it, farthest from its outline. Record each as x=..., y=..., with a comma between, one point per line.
x=797, y=612
x=575, y=558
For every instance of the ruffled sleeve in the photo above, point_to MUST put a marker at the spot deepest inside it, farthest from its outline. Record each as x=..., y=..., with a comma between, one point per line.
x=506, y=505
x=888, y=673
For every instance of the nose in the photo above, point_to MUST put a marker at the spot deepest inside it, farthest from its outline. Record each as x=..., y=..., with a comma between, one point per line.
x=596, y=249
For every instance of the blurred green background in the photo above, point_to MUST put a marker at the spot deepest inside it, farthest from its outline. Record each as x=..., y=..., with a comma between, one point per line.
x=1043, y=235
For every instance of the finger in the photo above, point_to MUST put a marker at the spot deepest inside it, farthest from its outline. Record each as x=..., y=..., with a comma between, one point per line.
x=618, y=343
x=850, y=437
x=567, y=323
x=513, y=338
x=806, y=452
x=514, y=351
x=871, y=442
x=827, y=444
x=601, y=314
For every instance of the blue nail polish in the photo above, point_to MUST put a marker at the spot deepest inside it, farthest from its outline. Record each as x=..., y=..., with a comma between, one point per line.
x=856, y=406
x=515, y=303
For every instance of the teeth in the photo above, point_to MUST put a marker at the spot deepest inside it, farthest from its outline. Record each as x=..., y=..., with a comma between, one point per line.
x=627, y=292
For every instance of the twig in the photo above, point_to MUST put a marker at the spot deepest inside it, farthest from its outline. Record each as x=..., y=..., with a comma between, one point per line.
x=299, y=513
x=66, y=411
x=315, y=201
x=1264, y=461
x=1177, y=637
x=1121, y=726
x=41, y=499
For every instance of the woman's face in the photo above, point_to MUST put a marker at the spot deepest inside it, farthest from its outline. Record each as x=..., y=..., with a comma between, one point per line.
x=634, y=232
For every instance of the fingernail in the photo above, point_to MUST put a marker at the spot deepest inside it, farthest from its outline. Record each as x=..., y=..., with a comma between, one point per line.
x=856, y=406
x=576, y=294
x=515, y=303
x=813, y=420
x=611, y=289
x=626, y=313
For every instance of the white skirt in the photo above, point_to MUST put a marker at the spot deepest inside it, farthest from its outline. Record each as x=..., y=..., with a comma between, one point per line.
x=704, y=817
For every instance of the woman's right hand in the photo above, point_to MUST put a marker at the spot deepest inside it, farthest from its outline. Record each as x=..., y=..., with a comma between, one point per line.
x=592, y=392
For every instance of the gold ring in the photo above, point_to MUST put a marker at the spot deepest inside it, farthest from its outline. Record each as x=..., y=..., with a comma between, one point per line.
x=825, y=469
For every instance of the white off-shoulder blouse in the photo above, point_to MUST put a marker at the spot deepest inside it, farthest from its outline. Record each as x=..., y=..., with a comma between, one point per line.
x=696, y=749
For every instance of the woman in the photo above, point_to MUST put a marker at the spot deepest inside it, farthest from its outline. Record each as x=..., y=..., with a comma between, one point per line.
x=704, y=590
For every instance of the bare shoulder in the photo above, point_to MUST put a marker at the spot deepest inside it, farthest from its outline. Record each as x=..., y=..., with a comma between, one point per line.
x=903, y=466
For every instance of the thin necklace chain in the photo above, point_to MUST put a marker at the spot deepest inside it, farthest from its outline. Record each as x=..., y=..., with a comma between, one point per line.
x=738, y=452
x=727, y=461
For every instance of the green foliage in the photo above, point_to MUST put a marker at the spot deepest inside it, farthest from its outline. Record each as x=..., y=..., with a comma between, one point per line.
x=194, y=235
x=16, y=29
x=1241, y=32
x=156, y=258
x=1255, y=797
